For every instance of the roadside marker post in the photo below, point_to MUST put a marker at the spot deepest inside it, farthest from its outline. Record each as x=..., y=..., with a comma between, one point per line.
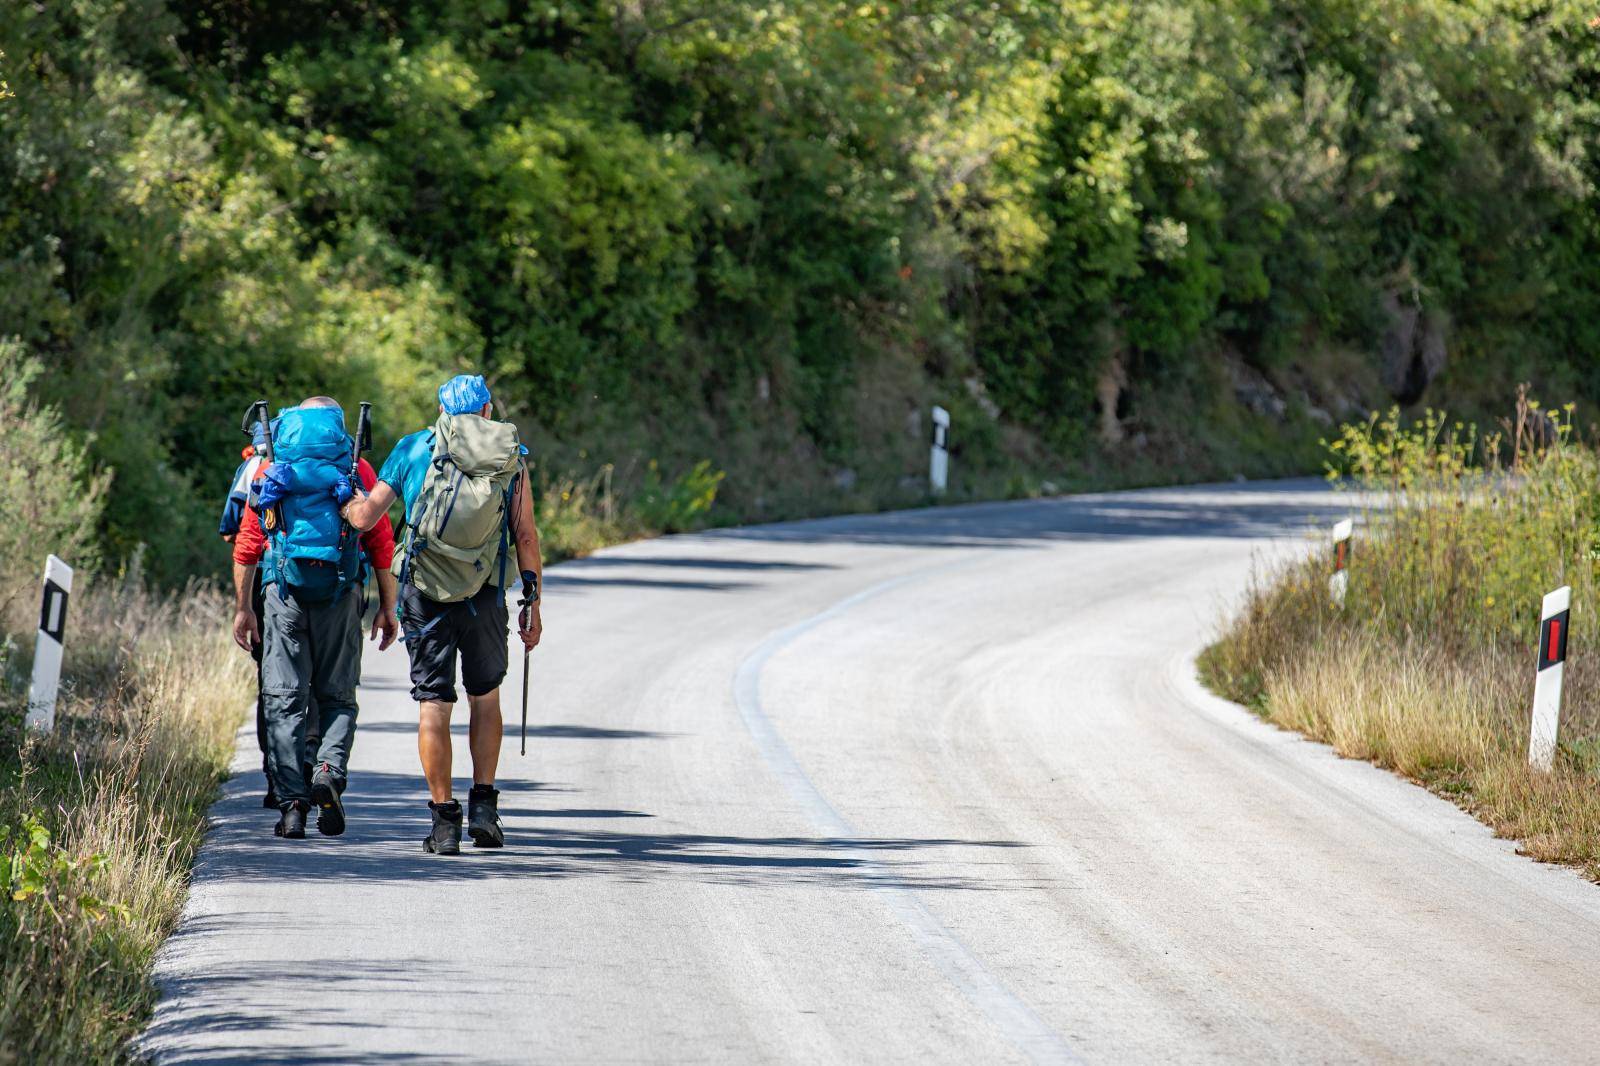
x=939, y=454
x=47, y=649
x=1554, y=623
x=1339, y=581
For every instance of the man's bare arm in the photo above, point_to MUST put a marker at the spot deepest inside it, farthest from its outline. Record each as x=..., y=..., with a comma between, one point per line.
x=246, y=633
x=243, y=585
x=364, y=509
x=384, y=623
x=529, y=623
x=388, y=590
x=526, y=531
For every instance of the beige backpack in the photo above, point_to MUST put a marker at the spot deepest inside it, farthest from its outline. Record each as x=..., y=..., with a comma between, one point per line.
x=459, y=537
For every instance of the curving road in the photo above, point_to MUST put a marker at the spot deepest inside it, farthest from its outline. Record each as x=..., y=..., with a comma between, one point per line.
x=935, y=786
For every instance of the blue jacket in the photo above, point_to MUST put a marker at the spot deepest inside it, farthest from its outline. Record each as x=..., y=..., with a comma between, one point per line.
x=238, y=496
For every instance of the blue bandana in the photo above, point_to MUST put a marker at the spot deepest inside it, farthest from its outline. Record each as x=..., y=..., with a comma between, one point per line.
x=463, y=394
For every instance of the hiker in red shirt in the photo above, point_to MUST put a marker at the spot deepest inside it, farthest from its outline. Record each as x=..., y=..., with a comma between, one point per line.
x=326, y=675
x=377, y=543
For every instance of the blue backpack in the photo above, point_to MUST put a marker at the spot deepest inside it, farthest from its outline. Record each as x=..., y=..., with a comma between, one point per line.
x=316, y=555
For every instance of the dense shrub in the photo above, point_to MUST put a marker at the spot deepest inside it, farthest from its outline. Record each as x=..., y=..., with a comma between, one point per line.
x=49, y=500
x=770, y=234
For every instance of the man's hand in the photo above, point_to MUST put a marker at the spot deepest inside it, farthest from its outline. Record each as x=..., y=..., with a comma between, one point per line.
x=246, y=633
x=529, y=626
x=384, y=622
x=355, y=496
x=366, y=508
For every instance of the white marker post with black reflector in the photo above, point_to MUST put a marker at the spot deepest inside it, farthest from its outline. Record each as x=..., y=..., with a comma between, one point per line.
x=939, y=454
x=1554, y=623
x=1339, y=581
x=47, y=650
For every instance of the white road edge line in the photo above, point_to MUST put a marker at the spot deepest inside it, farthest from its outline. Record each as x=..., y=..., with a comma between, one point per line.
x=1015, y=1020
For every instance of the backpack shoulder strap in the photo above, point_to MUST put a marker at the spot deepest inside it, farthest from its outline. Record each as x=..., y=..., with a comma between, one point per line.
x=505, y=523
x=413, y=522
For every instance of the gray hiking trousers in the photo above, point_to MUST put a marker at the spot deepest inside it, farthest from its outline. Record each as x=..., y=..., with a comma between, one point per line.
x=309, y=650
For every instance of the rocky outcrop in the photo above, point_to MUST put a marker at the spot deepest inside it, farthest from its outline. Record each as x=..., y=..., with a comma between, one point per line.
x=1413, y=347
x=1107, y=392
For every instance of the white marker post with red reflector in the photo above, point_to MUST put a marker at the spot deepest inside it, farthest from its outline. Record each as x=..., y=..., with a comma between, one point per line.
x=1554, y=622
x=1340, y=579
x=939, y=454
x=47, y=649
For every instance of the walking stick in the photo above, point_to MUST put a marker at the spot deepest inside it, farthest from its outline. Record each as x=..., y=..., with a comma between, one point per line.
x=260, y=412
x=530, y=596
x=361, y=442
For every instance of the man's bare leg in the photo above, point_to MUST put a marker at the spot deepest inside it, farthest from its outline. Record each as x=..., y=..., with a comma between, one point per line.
x=484, y=733
x=433, y=746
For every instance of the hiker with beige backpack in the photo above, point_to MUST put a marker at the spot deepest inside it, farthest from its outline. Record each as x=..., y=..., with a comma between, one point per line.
x=468, y=508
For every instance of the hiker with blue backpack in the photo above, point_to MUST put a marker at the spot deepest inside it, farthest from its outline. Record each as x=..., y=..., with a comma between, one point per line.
x=469, y=510
x=310, y=561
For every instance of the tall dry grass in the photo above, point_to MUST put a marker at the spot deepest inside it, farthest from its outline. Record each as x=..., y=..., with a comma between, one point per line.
x=103, y=818
x=1428, y=668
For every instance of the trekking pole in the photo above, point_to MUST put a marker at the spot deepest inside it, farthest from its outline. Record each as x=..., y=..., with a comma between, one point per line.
x=358, y=444
x=363, y=440
x=523, y=618
x=252, y=414
x=258, y=412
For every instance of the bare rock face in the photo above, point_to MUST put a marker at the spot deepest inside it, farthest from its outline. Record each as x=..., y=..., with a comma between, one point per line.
x=1432, y=352
x=1107, y=391
x=980, y=396
x=1413, y=347
x=1313, y=411
x=1252, y=389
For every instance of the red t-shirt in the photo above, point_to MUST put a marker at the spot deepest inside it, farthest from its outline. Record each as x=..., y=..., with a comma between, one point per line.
x=377, y=542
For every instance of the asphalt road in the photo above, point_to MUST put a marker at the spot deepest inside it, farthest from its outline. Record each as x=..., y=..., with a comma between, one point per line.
x=936, y=786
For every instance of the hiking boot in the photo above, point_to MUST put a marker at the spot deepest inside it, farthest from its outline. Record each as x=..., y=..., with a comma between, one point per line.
x=325, y=792
x=446, y=836
x=483, y=817
x=293, y=822
x=270, y=800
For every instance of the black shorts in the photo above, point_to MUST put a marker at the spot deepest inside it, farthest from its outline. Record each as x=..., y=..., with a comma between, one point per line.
x=435, y=633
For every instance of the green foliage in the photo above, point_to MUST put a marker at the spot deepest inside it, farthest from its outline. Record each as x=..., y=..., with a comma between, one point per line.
x=1462, y=535
x=676, y=505
x=1244, y=176
x=52, y=881
x=1474, y=532
x=50, y=501
x=579, y=515
x=676, y=229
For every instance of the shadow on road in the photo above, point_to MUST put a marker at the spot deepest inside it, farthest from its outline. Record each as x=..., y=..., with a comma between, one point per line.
x=251, y=991
x=340, y=1056
x=565, y=582
x=1254, y=509
x=688, y=562
x=388, y=817
x=460, y=720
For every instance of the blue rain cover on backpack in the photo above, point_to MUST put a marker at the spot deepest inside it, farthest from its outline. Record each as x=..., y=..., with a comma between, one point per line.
x=316, y=555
